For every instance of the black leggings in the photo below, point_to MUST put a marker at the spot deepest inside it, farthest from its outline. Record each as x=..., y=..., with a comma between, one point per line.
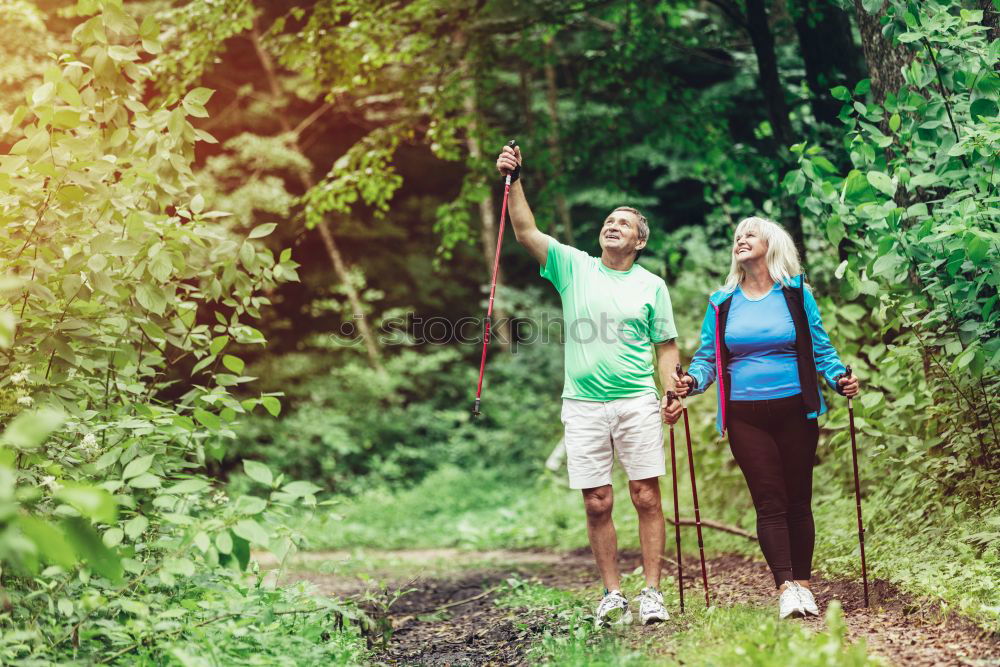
x=774, y=444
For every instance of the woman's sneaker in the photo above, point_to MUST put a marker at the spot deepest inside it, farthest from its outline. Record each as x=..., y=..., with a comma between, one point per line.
x=806, y=600
x=613, y=610
x=651, y=609
x=789, y=604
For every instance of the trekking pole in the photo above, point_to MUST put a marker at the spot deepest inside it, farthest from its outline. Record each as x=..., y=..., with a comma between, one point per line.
x=857, y=492
x=493, y=288
x=694, y=492
x=671, y=397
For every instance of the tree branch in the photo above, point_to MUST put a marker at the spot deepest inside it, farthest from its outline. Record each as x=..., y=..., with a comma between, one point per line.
x=730, y=9
x=717, y=525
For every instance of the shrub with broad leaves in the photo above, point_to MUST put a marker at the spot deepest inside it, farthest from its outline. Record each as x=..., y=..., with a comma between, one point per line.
x=125, y=301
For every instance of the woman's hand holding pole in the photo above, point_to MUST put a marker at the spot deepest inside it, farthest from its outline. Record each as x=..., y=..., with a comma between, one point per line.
x=848, y=383
x=684, y=383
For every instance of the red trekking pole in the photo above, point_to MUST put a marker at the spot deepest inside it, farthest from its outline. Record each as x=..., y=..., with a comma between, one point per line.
x=694, y=492
x=493, y=288
x=857, y=492
x=671, y=397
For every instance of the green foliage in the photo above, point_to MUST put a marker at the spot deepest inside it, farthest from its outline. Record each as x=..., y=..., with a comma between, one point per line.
x=193, y=35
x=363, y=174
x=951, y=561
x=916, y=223
x=349, y=427
x=120, y=284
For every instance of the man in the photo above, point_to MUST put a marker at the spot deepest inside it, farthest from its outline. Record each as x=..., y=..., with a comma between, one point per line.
x=616, y=313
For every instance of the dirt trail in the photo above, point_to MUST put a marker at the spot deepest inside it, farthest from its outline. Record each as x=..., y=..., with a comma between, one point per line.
x=452, y=620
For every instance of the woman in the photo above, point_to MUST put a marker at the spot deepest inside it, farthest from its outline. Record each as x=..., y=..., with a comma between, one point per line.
x=763, y=331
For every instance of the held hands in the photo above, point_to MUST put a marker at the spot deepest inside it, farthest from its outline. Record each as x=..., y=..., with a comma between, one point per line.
x=509, y=162
x=670, y=409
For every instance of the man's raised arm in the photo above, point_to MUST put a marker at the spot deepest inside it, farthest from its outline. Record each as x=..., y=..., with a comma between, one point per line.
x=521, y=217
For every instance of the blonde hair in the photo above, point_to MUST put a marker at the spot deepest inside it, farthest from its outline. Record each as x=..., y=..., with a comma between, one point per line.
x=782, y=255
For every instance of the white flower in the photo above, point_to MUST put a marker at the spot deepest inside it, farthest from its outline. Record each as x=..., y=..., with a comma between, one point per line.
x=26, y=401
x=220, y=498
x=89, y=446
x=51, y=482
x=19, y=377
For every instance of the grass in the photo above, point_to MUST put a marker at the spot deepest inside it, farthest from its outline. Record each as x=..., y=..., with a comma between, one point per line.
x=753, y=636
x=474, y=509
x=469, y=509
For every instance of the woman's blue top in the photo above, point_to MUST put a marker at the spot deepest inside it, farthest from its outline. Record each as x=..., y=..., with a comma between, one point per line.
x=704, y=364
x=760, y=336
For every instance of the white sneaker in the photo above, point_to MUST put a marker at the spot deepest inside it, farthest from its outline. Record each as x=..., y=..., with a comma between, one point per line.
x=806, y=599
x=651, y=609
x=613, y=610
x=789, y=603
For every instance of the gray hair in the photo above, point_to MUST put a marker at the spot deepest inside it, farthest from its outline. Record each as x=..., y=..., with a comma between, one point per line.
x=643, y=224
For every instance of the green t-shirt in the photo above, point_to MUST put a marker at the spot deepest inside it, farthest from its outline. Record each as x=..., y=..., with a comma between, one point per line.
x=611, y=320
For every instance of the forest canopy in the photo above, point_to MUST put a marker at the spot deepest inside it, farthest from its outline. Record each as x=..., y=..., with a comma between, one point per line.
x=245, y=245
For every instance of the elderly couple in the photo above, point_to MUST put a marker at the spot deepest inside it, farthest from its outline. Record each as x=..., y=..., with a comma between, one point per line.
x=762, y=339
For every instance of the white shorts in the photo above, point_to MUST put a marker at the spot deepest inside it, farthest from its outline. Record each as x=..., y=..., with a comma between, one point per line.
x=632, y=428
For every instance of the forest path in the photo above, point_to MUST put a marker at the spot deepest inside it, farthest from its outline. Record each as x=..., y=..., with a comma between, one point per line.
x=449, y=615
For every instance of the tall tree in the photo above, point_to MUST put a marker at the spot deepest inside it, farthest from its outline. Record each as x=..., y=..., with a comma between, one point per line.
x=755, y=21
x=991, y=18
x=828, y=51
x=767, y=64
x=307, y=181
x=885, y=59
x=487, y=214
x=555, y=149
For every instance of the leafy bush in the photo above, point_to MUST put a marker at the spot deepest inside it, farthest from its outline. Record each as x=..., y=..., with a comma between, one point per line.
x=120, y=284
x=916, y=220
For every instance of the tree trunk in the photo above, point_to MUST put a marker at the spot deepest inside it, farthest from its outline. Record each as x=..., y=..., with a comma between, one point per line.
x=828, y=51
x=487, y=215
x=340, y=267
x=991, y=19
x=767, y=66
x=305, y=177
x=552, y=98
x=525, y=94
x=885, y=59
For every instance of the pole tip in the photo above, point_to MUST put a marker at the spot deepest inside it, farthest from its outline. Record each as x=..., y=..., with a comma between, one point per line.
x=475, y=409
x=849, y=372
x=512, y=143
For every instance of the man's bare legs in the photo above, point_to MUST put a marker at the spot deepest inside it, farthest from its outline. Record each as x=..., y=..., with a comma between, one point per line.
x=601, y=531
x=604, y=540
x=646, y=498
